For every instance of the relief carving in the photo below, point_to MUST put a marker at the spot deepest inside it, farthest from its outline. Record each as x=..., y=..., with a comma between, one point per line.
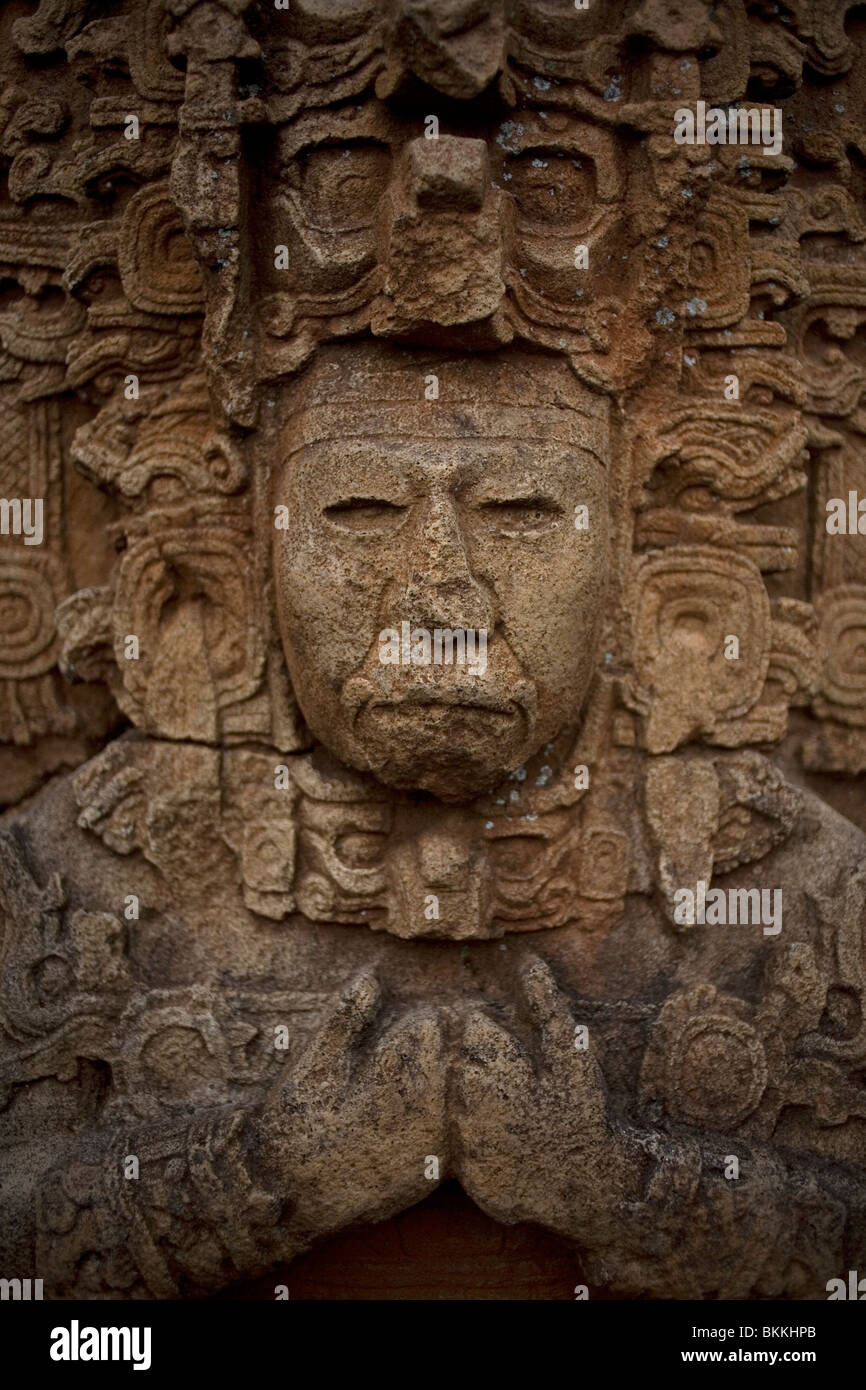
x=436, y=461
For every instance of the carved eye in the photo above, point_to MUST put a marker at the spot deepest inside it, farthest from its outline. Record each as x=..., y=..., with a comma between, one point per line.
x=11, y=294
x=517, y=856
x=702, y=262
x=360, y=850
x=366, y=514
x=521, y=516
x=552, y=187
x=341, y=185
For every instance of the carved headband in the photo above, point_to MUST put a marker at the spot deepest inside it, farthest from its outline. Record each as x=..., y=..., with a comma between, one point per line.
x=521, y=397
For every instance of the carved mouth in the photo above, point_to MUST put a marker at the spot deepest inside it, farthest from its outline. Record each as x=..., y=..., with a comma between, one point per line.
x=428, y=696
x=435, y=710
x=440, y=702
x=450, y=746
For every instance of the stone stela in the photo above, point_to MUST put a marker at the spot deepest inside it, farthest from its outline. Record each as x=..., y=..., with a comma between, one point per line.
x=331, y=331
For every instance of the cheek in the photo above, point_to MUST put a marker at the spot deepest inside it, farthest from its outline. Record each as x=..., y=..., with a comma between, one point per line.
x=551, y=627
x=328, y=606
x=550, y=594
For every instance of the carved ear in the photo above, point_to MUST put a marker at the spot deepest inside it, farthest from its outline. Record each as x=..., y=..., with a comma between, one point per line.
x=842, y=692
x=681, y=799
x=690, y=678
x=157, y=264
x=186, y=636
x=181, y=699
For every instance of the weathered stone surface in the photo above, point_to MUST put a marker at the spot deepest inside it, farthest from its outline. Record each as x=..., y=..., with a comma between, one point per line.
x=450, y=531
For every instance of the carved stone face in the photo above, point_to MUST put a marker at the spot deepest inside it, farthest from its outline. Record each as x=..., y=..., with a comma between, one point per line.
x=392, y=539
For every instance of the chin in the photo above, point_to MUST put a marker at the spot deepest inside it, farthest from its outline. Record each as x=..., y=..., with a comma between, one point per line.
x=454, y=752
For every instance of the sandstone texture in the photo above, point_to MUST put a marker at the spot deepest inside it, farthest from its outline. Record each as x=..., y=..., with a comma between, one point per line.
x=433, y=646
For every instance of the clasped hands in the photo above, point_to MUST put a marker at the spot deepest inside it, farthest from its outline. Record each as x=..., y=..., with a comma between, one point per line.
x=381, y=1106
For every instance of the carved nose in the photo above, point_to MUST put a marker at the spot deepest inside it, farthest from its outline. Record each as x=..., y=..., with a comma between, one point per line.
x=448, y=173
x=443, y=246
x=441, y=590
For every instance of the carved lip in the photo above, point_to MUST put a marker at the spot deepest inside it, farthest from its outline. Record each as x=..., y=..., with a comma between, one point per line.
x=490, y=707
x=408, y=708
x=497, y=704
x=491, y=713
x=362, y=695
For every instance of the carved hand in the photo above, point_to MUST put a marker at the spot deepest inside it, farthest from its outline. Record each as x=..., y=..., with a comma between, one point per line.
x=535, y=1143
x=349, y=1136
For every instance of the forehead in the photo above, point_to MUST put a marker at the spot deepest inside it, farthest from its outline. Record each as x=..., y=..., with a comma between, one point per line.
x=462, y=460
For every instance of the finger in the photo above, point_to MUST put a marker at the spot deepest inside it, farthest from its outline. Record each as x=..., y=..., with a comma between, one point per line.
x=549, y=1010
x=412, y=1049
x=492, y=1062
x=410, y=1079
x=329, y=1053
